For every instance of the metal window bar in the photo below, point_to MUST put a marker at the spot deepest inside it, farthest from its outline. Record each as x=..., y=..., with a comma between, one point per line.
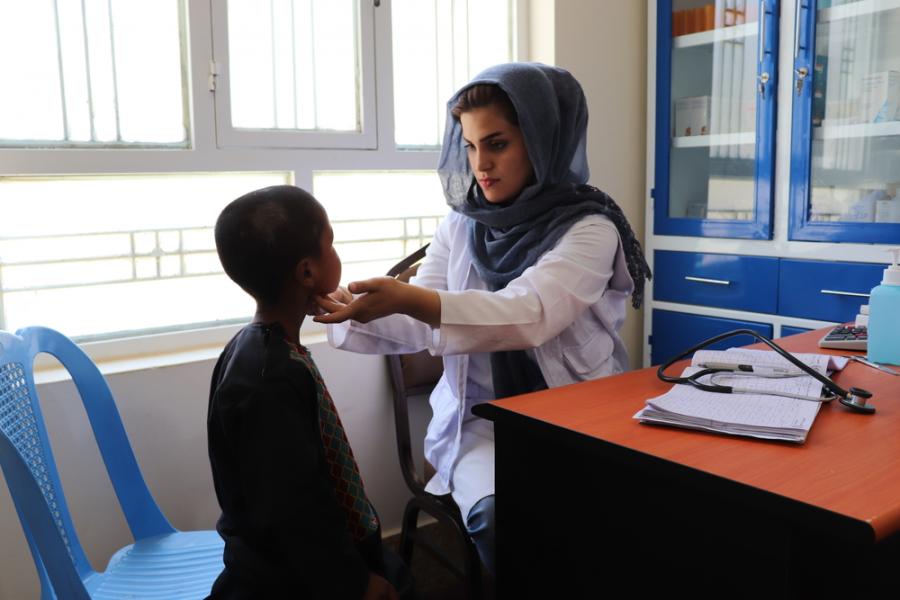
x=296, y=103
x=87, y=72
x=437, y=69
x=62, y=82
x=274, y=63
x=458, y=14
x=311, y=34
x=115, y=78
x=468, y=43
x=309, y=38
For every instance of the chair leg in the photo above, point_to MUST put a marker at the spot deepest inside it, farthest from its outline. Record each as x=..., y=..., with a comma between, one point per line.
x=408, y=531
x=474, y=584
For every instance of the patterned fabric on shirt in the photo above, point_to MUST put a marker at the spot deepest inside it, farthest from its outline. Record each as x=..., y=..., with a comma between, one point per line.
x=348, y=485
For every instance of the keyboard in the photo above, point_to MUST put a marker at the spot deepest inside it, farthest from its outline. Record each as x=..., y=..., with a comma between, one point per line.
x=846, y=337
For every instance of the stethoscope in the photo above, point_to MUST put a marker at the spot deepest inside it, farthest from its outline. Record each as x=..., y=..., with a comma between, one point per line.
x=854, y=398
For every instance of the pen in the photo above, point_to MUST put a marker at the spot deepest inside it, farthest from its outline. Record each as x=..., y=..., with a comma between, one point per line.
x=874, y=365
x=742, y=368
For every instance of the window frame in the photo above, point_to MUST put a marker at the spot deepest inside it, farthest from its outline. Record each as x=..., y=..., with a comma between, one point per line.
x=219, y=82
x=206, y=155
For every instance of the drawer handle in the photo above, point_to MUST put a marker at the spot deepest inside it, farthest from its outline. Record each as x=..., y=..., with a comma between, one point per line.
x=705, y=280
x=840, y=293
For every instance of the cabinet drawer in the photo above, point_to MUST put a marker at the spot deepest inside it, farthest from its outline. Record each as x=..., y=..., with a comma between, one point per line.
x=827, y=291
x=787, y=330
x=675, y=332
x=721, y=280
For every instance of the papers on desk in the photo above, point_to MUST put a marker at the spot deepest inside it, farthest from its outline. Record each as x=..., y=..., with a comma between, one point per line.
x=761, y=415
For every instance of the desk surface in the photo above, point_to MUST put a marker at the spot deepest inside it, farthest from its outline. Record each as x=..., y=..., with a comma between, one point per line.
x=849, y=464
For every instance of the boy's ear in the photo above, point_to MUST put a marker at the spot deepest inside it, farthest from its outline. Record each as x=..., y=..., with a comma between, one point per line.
x=306, y=273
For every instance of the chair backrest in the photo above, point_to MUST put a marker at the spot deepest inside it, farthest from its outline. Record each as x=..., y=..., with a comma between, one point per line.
x=30, y=470
x=411, y=375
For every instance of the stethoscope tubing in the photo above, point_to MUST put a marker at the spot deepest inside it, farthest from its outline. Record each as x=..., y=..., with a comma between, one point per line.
x=833, y=389
x=738, y=390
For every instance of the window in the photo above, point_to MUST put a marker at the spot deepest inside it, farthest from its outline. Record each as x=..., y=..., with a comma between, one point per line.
x=133, y=122
x=296, y=73
x=92, y=73
x=311, y=46
x=439, y=45
x=101, y=255
x=372, y=236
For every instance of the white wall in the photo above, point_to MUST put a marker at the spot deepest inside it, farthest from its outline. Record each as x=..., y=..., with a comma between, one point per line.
x=603, y=43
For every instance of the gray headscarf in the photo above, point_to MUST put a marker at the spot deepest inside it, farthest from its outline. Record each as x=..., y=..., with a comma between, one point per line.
x=553, y=118
x=508, y=238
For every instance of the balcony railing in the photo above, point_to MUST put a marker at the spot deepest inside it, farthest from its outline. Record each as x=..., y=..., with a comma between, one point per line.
x=35, y=265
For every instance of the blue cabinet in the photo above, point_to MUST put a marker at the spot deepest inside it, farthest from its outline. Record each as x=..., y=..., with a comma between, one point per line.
x=715, y=119
x=804, y=289
x=675, y=332
x=782, y=228
x=827, y=291
x=723, y=280
x=787, y=330
x=846, y=122
x=716, y=111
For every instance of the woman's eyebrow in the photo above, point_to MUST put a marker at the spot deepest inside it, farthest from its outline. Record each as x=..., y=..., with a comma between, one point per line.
x=490, y=136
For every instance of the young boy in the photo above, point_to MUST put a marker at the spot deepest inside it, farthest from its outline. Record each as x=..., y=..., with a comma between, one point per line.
x=295, y=517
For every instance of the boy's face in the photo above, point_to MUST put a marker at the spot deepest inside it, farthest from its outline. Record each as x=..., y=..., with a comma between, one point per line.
x=328, y=263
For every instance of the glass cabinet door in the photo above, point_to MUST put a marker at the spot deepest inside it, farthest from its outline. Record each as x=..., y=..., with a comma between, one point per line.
x=845, y=164
x=716, y=77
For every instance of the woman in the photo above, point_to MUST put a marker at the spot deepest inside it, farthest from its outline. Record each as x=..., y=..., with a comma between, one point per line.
x=525, y=283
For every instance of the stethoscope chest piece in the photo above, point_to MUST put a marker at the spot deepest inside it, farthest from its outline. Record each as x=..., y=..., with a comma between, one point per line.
x=856, y=400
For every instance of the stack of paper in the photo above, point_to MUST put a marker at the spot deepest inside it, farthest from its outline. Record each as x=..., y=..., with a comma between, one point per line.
x=753, y=413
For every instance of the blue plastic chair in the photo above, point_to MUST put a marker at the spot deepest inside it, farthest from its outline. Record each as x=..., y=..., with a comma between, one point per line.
x=163, y=563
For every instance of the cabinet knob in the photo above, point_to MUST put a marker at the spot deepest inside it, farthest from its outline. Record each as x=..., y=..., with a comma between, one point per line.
x=801, y=73
x=763, y=80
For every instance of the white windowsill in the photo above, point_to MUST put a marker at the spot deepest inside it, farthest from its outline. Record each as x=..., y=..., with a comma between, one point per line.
x=156, y=351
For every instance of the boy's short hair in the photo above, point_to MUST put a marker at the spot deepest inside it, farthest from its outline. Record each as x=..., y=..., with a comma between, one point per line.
x=261, y=236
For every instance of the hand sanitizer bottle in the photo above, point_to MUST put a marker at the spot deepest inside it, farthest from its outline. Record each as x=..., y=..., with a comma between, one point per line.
x=884, y=316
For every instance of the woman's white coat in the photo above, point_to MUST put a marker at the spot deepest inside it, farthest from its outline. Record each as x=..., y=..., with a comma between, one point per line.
x=567, y=309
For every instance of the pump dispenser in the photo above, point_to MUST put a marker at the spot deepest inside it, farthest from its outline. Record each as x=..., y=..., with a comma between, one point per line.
x=884, y=315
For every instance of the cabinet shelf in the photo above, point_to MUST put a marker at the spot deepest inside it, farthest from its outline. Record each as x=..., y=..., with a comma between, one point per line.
x=859, y=130
x=856, y=9
x=716, y=139
x=717, y=35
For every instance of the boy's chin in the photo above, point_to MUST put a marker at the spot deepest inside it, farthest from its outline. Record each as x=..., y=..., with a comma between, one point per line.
x=312, y=308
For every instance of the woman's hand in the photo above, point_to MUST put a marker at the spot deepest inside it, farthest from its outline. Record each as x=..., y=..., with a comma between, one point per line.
x=380, y=297
x=340, y=295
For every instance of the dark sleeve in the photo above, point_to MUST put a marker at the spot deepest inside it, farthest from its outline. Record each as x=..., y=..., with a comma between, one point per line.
x=291, y=505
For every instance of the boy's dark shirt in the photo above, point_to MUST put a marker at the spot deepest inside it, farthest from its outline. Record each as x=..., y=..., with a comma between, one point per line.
x=285, y=534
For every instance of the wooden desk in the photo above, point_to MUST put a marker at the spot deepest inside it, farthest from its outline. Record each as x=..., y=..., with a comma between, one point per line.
x=574, y=468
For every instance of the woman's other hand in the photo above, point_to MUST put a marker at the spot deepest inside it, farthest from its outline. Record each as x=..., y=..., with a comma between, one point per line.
x=380, y=297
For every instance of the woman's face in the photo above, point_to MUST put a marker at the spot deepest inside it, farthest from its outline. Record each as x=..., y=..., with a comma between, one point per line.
x=496, y=152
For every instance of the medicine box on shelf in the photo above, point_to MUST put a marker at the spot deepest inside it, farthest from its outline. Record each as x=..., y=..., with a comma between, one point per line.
x=692, y=116
x=880, y=97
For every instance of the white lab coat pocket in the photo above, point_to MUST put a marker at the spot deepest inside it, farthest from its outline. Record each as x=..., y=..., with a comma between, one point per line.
x=586, y=353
